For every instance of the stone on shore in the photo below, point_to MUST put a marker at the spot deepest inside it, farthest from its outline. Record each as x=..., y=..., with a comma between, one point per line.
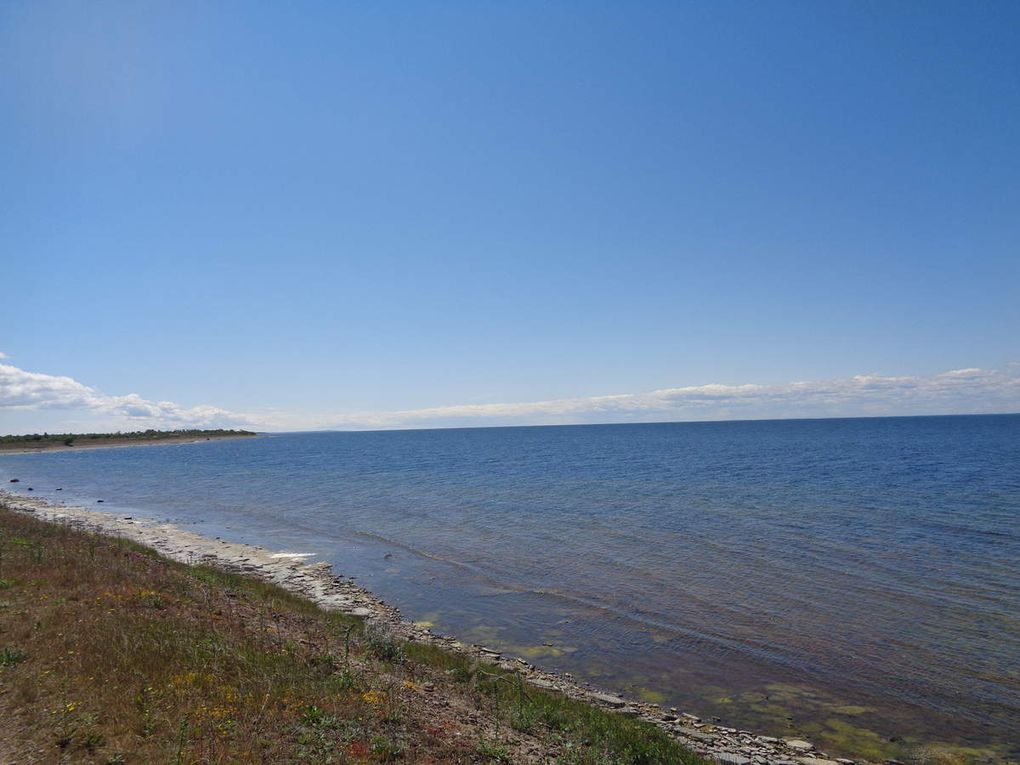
x=799, y=744
x=611, y=699
x=697, y=735
x=731, y=759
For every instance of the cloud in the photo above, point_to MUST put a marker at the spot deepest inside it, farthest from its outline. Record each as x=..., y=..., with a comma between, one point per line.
x=21, y=390
x=2, y=355
x=34, y=398
x=956, y=391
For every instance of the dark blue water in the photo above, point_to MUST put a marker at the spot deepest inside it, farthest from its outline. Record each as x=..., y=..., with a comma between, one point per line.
x=849, y=580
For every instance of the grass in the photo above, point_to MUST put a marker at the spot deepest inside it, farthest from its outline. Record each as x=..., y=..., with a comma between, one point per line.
x=110, y=653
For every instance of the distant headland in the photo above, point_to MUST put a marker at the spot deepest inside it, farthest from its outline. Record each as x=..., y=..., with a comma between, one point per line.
x=59, y=441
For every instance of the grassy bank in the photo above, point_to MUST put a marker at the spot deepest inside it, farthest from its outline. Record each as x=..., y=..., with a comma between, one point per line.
x=110, y=653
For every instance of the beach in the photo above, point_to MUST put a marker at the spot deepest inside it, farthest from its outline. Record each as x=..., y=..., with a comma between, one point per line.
x=318, y=582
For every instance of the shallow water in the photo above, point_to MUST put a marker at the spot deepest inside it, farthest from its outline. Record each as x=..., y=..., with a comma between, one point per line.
x=847, y=580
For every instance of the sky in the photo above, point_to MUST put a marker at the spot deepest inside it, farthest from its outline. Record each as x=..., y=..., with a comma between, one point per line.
x=322, y=215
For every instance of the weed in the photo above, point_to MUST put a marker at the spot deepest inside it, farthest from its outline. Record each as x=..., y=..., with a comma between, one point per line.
x=386, y=749
x=146, y=714
x=182, y=741
x=92, y=740
x=10, y=657
x=348, y=679
x=315, y=717
x=383, y=646
x=317, y=733
x=493, y=752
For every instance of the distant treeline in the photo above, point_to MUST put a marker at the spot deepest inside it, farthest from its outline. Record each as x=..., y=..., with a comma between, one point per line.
x=136, y=435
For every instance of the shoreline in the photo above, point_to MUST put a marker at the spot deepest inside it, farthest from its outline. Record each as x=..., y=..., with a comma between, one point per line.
x=113, y=443
x=317, y=582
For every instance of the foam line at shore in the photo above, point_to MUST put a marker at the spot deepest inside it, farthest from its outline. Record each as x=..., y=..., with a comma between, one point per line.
x=318, y=582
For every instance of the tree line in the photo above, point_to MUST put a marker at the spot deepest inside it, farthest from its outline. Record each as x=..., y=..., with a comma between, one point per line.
x=139, y=435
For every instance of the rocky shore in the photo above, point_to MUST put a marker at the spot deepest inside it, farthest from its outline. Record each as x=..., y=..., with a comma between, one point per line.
x=319, y=583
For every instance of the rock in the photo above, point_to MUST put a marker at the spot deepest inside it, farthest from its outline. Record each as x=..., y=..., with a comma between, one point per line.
x=692, y=718
x=99, y=501
x=697, y=735
x=731, y=759
x=845, y=761
x=799, y=745
x=815, y=761
x=15, y=480
x=610, y=699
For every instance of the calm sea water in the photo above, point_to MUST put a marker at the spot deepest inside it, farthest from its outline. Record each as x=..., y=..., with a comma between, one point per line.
x=847, y=580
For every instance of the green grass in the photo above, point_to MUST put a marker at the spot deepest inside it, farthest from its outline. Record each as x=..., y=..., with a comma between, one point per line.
x=10, y=657
x=593, y=735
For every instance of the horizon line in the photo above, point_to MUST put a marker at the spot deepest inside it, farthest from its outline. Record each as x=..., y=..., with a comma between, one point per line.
x=641, y=424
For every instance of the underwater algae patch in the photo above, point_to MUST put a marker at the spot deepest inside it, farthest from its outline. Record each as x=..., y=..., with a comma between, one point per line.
x=651, y=696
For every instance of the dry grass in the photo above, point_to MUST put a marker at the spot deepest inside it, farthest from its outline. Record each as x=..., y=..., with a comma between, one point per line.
x=110, y=653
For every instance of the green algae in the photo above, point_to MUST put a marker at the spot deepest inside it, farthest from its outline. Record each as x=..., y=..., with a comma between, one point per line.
x=429, y=619
x=843, y=736
x=652, y=697
x=852, y=710
x=537, y=651
x=484, y=634
x=953, y=754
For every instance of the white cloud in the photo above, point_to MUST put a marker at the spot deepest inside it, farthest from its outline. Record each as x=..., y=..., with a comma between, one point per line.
x=2, y=355
x=956, y=391
x=39, y=401
x=21, y=390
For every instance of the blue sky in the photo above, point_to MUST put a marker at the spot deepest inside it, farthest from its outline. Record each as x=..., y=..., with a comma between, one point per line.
x=295, y=212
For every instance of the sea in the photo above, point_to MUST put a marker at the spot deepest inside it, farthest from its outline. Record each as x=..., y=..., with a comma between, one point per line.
x=855, y=582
